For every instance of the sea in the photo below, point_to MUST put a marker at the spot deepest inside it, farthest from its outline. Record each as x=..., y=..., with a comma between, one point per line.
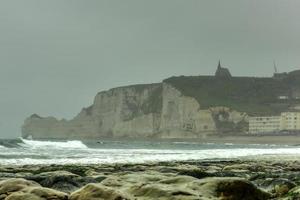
x=32, y=152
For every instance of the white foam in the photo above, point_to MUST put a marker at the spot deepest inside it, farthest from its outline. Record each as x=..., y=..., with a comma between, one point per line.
x=75, y=152
x=98, y=156
x=75, y=144
x=186, y=143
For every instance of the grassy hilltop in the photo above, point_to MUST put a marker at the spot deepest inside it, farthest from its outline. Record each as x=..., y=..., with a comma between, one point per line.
x=255, y=96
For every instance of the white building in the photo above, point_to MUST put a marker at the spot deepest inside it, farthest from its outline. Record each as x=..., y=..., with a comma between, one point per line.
x=283, y=97
x=290, y=121
x=264, y=124
x=286, y=121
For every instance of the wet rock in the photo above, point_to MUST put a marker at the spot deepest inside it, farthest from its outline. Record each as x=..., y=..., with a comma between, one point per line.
x=10, y=186
x=175, y=188
x=5, y=175
x=237, y=167
x=37, y=193
x=154, y=185
x=196, y=173
x=233, y=189
x=278, y=186
x=213, y=169
x=230, y=180
x=293, y=176
x=65, y=181
x=184, y=187
x=293, y=194
x=61, y=180
x=98, y=192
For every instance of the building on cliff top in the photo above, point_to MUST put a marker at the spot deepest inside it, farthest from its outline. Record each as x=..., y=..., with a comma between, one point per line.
x=222, y=72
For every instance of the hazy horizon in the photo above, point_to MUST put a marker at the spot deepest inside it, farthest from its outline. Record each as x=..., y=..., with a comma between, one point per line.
x=56, y=55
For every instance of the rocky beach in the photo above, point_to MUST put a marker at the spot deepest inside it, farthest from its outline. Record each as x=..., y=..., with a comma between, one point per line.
x=259, y=178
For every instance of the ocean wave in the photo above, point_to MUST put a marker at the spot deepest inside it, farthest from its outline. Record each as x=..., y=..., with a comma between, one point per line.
x=10, y=143
x=188, y=143
x=109, y=156
x=31, y=152
x=74, y=144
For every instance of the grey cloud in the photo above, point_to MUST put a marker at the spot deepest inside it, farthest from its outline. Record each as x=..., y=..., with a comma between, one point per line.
x=56, y=55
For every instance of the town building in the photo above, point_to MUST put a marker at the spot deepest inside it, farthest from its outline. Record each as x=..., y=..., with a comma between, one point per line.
x=264, y=124
x=287, y=121
x=282, y=97
x=290, y=121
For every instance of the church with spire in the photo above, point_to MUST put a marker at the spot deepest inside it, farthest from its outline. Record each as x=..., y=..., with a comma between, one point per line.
x=222, y=72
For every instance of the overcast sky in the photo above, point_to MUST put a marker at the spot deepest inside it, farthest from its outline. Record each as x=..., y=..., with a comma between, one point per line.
x=55, y=55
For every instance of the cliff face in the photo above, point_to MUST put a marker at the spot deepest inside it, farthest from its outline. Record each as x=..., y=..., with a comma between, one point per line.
x=141, y=111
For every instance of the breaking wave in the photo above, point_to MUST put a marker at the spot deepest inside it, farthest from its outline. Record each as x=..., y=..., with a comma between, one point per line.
x=10, y=143
x=30, y=152
x=75, y=144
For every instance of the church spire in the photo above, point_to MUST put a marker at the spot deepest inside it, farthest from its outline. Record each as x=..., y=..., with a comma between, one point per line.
x=219, y=65
x=275, y=67
x=222, y=72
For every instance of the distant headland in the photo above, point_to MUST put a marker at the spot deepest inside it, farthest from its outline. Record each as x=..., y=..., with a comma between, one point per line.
x=183, y=107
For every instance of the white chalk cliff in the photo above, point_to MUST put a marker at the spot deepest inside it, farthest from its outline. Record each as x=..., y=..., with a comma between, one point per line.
x=140, y=111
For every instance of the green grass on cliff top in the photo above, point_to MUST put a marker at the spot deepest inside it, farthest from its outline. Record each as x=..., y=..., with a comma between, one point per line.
x=256, y=96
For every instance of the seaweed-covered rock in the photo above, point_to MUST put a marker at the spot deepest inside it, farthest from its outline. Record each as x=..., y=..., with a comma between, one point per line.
x=61, y=180
x=278, y=186
x=293, y=194
x=196, y=173
x=234, y=189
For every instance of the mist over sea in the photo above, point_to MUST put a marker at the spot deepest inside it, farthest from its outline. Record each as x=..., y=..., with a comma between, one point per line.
x=31, y=152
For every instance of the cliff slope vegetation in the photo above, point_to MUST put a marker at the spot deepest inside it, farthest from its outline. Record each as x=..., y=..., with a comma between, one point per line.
x=255, y=96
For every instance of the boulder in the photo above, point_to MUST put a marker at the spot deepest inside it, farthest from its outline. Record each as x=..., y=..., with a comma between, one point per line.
x=196, y=173
x=278, y=186
x=293, y=194
x=153, y=185
x=237, y=168
x=172, y=188
x=97, y=192
x=37, y=193
x=21, y=189
x=10, y=186
x=232, y=188
x=61, y=180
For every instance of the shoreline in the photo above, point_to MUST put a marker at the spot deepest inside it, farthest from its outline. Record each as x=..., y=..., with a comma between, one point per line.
x=254, y=139
x=215, y=139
